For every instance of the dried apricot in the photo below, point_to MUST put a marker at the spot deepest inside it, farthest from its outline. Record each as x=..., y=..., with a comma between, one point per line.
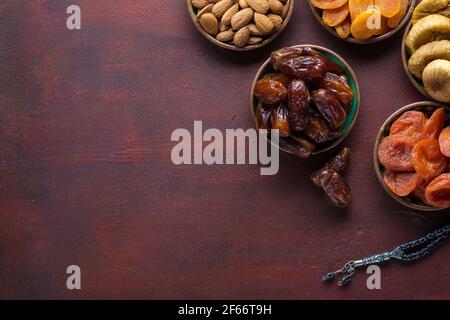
x=384, y=28
x=402, y=183
x=389, y=8
x=428, y=160
x=358, y=6
x=394, y=153
x=328, y=4
x=410, y=124
x=437, y=192
x=444, y=142
x=333, y=17
x=361, y=27
x=394, y=21
x=343, y=29
x=434, y=125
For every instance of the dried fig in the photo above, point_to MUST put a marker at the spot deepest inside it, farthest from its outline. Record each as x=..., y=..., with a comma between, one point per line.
x=431, y=28
x=426, y=54
x=436, y=79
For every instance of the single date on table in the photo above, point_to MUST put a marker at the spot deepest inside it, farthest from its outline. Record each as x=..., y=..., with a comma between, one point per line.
x=225, y=310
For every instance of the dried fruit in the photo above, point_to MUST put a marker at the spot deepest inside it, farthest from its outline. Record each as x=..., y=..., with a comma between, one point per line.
x=361, y=27
x=281, y=121
x=389, y=8
x=333, y=17
x=436, y=79
x=270, y=91
x=317, y=129
x=409, y=125
x=428, y=7
x=431, y=28
x=343, y=29
x=338, y=164
x=444, y=142
x=336, y=188
x=328, y=4
x=263, y=117
x=434, y=125
x=426, y=54
x=394, y=21
x=428, y=160
x=402, y=183
x=437, y=192
x=300, y=147
x=394, y=153
x=383, y=28
x=358, y=6
x=338, y=86
x=330, y=108
x=298, y=104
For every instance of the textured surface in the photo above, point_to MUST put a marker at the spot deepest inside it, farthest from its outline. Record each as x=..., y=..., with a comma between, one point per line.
x=86, y=177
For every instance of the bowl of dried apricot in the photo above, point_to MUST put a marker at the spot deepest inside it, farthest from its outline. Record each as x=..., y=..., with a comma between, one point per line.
x=310, y=95
x=240, y=25
x=426, y=49
x=362, y=21
x=412, y=156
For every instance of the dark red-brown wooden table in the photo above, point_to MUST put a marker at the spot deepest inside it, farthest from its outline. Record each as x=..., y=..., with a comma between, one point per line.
x=86, y=177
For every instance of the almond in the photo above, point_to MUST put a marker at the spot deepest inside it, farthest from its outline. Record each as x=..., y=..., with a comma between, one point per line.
x=226, y=18
x=209, y=23
x=260, y=6
x=263, y=23
x=207, y=9
x=276, y=7
x=226, y=36
x=241, y=37
x=254, y=30
x=242, y=18
x=221, y=7
x=254, y=40
x=243, y=4
x=276, y=20
x=199, y=4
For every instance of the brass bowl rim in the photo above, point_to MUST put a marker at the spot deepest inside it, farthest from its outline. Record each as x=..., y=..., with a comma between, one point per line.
x=377, y=165
x=335, y=143
x=246, y=48
x=385, y=36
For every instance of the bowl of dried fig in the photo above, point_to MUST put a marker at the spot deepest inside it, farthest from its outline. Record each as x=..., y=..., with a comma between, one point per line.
x=426, y=49
x=310, y=95
x=412, y=156
x=241, y=25
x=362, y=21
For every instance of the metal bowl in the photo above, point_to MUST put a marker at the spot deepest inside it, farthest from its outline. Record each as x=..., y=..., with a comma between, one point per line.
x=317, y=14
x=427, y=107
x=354, y=108
x=193, y=14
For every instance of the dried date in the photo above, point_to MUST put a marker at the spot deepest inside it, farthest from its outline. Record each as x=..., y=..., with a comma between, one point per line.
x=298, y=146
x=338, y=164
x=336, y=188
x=317, y=129
x=330, y=108
x=298, y=104
x=338, y=85
x=280, y=120
x=270, y=91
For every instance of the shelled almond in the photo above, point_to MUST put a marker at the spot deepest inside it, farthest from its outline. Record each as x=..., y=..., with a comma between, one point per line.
x=241, y=23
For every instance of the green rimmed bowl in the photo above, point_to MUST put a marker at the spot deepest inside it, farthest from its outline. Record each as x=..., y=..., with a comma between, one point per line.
x=428, y=108
x=353, y=82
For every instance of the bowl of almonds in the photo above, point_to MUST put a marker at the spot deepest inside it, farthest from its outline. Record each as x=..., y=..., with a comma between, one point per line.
x=240, y=25
x=362, y=21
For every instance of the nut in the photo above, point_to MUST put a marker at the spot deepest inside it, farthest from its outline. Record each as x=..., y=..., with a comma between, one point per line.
x=221, y=7
x=226, y=18
x=254, y=40
x=199, y=4
x=260, y=6
x=207, y=9
x=209, y=23
x=263, y=23
x=241, y=37
x=242, y=18
x=276, y=20
x=226, y=36
x=276, y=7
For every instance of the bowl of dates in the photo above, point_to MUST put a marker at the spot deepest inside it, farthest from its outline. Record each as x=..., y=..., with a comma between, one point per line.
x=362, y=21
x=412, y=156
x=426, y=49
x=310, y=94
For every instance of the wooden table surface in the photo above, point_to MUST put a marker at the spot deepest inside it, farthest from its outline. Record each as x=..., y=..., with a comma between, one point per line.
x=86, y=176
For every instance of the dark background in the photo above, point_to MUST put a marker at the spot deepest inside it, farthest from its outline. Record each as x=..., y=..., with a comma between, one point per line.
x=86, y=177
